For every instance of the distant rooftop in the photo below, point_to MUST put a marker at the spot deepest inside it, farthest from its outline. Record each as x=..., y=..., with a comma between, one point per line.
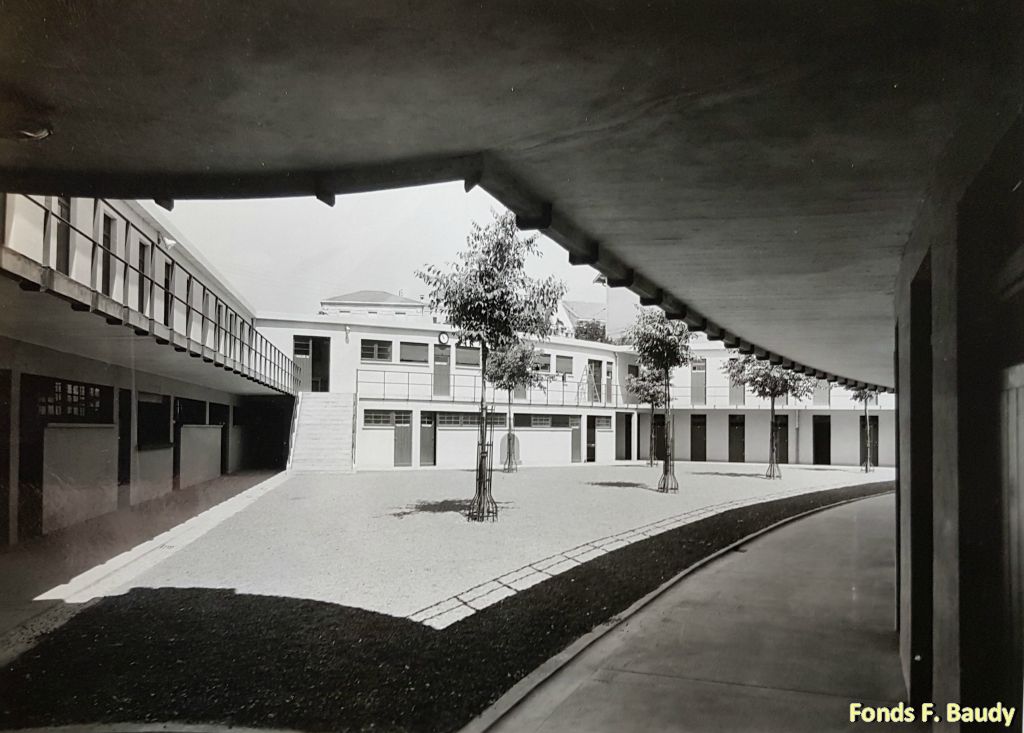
x=373, y=296
x=582, y=310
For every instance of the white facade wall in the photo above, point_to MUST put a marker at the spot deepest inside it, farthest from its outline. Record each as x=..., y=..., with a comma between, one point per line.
x=79, y=473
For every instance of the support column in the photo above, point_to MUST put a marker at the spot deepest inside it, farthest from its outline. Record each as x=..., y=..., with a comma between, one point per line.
x=14, y=436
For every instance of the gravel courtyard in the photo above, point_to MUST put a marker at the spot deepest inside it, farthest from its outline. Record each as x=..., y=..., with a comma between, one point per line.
x=397, y=543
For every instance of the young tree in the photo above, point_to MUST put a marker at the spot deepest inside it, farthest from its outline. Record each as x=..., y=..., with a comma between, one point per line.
x=662, y=345
x=510, y=368
x=649, y=388
x=487, y=296
x=770, y=382
x=591, y=331
x=866, y=396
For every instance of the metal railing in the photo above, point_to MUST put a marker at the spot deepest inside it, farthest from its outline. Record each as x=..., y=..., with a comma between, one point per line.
x=408, y=385
x=174, y=303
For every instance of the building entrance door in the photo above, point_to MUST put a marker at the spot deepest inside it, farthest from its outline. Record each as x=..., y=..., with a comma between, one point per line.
x=782, y=438
x=403, y=437
x=124, y=447
x=659, y=437
x=698, y=437
x=627, y=440
x=873, y=422
x=591, y=438
x=428, y=438
x=822, y=439
x=737, y=438
x=577, y=439
x=442, y=370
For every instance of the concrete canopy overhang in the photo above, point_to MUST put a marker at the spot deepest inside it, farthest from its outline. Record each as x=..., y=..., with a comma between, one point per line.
x=755, y=168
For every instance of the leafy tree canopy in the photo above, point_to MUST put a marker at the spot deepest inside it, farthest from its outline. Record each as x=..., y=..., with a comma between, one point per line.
x=486, y=294
x=648, y=386
x=659, y=343
x=510, y=367
x=863, y=395
x=591, y=331
x=767, y=380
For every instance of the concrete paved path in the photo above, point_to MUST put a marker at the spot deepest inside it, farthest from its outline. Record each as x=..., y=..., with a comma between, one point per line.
x=780, y=635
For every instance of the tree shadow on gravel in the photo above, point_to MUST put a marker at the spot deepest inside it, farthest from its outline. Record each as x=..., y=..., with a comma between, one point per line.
x=441, y=506
x=622, y=485
x=193, y=655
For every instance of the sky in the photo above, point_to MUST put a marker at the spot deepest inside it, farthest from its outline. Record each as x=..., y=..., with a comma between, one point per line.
x=286, y=255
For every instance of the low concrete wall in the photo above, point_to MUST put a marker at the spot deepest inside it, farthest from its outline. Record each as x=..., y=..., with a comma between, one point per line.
x=152, y=474
x=79, y=473
x=200, y=454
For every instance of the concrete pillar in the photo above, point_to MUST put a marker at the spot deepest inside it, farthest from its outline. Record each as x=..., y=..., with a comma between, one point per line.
x=12, y=477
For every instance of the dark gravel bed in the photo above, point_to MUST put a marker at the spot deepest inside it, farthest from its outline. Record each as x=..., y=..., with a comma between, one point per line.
x=197, y=655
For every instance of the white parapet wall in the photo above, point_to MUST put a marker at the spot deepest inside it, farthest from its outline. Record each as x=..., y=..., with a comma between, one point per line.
x=152, y=474
x=200, y=454
x=79, y=473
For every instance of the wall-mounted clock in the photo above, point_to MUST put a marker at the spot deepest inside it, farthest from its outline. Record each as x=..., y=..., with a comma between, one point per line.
x=442, y=338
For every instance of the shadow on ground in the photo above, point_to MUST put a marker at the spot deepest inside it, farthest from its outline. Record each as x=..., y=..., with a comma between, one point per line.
x=442, y=506
x=622, y=485
x=195, y=655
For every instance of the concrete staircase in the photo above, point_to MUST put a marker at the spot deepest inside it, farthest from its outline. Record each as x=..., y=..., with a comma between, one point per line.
x=322, y=433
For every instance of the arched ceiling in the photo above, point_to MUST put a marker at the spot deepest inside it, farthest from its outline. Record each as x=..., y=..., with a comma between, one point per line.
x=755, y=167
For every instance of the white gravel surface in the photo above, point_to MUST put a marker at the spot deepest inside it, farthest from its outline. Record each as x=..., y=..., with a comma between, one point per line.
x=370, y=540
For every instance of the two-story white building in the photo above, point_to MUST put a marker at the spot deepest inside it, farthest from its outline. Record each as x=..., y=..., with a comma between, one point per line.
x=405, y=394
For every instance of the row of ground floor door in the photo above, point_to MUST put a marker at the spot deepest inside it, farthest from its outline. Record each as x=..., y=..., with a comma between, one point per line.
x=389, y=438
x=737, y=439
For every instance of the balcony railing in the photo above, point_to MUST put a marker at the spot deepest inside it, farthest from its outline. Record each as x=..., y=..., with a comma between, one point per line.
x=137, y=281
x=404, y=385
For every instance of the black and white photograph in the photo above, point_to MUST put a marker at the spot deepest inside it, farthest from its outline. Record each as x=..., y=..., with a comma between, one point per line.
x=478, y=366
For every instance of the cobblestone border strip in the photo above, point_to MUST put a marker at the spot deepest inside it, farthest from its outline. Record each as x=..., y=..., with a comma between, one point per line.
x=457, y=607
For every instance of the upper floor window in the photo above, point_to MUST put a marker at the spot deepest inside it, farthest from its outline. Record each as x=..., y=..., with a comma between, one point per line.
x=633, y=370
x=542, y=363
x=412, y=353
x=467, y=356
x=64, y=234
x=371, y=350
x=563, y=364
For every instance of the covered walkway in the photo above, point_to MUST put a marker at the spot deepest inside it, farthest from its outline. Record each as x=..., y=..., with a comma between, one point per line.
x=780, y=635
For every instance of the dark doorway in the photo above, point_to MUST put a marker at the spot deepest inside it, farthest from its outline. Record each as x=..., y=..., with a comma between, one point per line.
x=106, y=259
x=442, y=370
x=627, y=439
x=737, y=438
x=221, y=415
x=873, y=422
x=659, y=436
x=591, y=438
x=782, y=438
x=822, y=440
x=428, y=438
x=186, y=412
x=124, y=447
x=594, y=379
x=403, y=438
x=64, y=234
x=698, y=437
x=577, y=439
x=312, y=354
